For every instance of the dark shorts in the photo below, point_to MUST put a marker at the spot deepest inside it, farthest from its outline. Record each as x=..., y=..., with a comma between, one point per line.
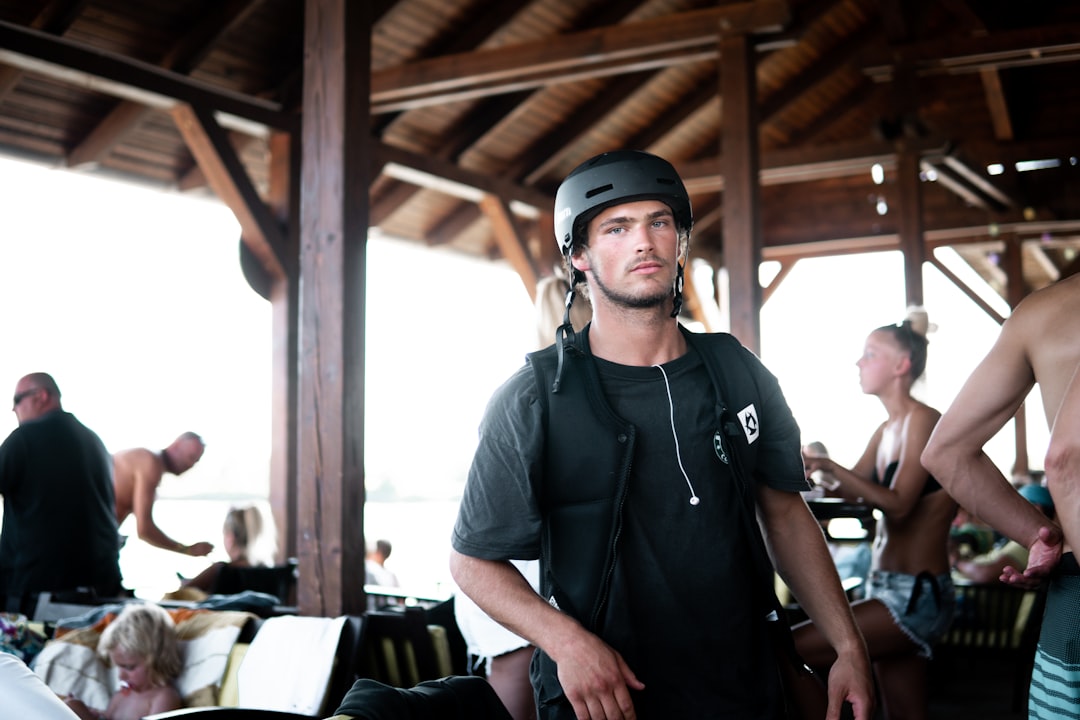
x=1055, y=681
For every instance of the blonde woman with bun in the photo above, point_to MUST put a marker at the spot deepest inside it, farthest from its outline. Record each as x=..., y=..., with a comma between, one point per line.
x=910, y=598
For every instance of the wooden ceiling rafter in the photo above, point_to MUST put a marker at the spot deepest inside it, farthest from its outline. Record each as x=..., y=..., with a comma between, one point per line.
x=658, y=42
x=1003, y=49
x=210, y=145
x=469, y=130
x=185, y=54
x=511, y=240
x=547, y=154
x=542, y=154
x=53, y=18
x=128, y=78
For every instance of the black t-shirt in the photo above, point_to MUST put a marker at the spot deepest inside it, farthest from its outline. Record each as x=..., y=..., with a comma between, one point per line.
x=59, y=528
x=680, y=612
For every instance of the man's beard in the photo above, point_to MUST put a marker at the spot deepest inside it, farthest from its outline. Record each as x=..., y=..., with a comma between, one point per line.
x=637, y=302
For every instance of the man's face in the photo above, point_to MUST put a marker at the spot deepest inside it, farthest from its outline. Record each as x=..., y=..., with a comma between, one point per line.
x=29, y=401
x=632, y=255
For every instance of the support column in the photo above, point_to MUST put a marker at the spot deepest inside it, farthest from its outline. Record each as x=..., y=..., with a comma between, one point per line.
x=742, y=190
x=910, y=222
x=333, y=238
x=284, y=201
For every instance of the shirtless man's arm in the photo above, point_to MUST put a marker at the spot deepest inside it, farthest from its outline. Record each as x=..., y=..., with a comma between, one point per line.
x=137, y=475
x=992, y=395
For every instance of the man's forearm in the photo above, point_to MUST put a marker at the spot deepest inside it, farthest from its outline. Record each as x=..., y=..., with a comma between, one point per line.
x=151, y=534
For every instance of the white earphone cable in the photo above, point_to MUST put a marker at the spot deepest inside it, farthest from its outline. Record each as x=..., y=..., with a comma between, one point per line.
x=694, y=499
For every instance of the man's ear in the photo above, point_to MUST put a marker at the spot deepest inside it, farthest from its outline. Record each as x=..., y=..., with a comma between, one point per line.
x=580, y=260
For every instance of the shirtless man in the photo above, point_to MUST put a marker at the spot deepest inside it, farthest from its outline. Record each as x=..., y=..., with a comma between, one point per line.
x=1039, y=343
x=136, y=475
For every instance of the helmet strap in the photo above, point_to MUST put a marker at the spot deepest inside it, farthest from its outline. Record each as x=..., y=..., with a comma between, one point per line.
x=678, y=295
x=564, y=334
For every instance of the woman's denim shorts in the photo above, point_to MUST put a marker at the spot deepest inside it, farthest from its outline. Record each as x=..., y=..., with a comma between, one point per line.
x=921, y=605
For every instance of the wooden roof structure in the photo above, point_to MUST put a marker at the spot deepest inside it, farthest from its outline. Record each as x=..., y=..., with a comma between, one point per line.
x=451, y=122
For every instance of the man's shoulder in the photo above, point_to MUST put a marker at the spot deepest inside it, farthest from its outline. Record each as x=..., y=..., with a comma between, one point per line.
x=138, y=459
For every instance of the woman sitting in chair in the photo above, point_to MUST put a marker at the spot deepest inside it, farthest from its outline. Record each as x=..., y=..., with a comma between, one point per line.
x=243, y=539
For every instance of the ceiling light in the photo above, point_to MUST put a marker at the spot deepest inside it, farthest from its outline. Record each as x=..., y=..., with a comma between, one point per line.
x=1028, y=165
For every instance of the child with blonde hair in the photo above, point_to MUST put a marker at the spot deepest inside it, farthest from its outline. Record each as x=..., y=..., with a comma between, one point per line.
x=142, y=644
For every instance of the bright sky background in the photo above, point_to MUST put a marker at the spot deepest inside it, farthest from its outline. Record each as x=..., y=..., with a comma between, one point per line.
x=134, y=300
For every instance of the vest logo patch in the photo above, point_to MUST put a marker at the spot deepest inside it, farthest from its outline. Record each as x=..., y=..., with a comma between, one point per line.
x=748, y=419
x=718, y=447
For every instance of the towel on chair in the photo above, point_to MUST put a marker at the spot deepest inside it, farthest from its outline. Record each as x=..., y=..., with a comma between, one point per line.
x=288, y=665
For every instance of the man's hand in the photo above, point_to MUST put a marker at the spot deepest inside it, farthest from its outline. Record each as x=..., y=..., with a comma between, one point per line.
x=1044, y=555
x=850, y=681
x=595, y=679
x=199, y=549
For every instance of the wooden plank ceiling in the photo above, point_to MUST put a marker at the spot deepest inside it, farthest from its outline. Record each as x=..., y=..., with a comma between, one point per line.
x=480, y=107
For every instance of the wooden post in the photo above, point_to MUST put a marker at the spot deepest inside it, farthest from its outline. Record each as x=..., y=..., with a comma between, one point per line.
x=284, y=201
x=910, y=221
x=742, y=190
x=333, y=235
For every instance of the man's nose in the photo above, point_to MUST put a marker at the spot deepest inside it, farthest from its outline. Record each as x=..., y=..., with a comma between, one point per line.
x=643, y=239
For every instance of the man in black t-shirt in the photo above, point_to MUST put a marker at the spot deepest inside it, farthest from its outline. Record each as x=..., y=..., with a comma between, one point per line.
x=59, y=531
x=603, y=457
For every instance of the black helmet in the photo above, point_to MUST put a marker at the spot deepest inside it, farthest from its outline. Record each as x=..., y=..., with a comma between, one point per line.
x=613, y=178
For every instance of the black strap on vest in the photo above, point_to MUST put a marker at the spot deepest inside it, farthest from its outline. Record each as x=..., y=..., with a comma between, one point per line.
x=762, y=565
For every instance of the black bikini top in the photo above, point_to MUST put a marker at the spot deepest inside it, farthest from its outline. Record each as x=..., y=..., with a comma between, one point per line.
x=932, y=485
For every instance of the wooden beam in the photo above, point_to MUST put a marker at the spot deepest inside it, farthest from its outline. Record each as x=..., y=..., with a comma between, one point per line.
x=996, y=103
x=978, y=180
x=123, y=77
x=107, y=133
x=742, y=196
x=210, y=147
x=511, y=241
x=184, y=54
x=966, y=289
x=335, y=183
x=802, y=165
x=1013, y=48
x=195, y=178
x=451, y=179
x=786, y=266
x=653, y=43
x=284, y=201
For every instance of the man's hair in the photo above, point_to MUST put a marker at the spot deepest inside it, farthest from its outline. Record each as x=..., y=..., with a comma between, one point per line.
x=383, y=547
x=146, y=630
x=46, y=382
x=192, y=436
